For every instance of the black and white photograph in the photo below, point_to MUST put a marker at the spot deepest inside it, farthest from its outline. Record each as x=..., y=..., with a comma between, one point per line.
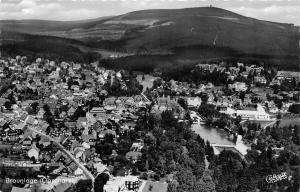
x=149, y=95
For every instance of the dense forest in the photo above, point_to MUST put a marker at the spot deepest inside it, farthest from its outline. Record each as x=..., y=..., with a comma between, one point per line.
x=54, y=48
x=178, y=59
x=183, y=58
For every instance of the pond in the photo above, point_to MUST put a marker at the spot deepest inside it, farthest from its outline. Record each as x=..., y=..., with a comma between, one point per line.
x=213, y=135
x=220, y=137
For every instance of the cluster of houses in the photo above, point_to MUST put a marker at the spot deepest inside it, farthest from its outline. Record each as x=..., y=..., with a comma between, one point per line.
x=286, y=76
x=52, y=116
x=233, y=71
x=255, y=100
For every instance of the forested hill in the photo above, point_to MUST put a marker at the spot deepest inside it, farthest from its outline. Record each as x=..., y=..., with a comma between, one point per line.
x=162, y=30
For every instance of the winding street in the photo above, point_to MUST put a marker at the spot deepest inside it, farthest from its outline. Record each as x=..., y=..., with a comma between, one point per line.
x=269, y=124
x=62, y=148
x=147, y=100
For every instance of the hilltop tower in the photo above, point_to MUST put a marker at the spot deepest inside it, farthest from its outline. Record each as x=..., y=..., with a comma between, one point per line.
x=0, y=43
x=298, y=35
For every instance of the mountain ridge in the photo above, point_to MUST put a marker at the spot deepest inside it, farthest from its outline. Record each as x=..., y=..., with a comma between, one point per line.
x=162, y=30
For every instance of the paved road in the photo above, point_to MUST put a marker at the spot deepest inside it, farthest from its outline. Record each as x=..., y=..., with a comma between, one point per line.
x=147, y=100
x=269, y=124
x=62, y=148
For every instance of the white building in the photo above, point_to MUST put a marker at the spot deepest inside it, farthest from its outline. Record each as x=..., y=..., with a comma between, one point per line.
x=261, y=80
x=193, y=101
x=238, y=86
x=258, y=114
x=132, y=183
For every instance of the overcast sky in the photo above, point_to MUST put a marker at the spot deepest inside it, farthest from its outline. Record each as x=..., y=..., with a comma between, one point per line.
x=287, y=11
